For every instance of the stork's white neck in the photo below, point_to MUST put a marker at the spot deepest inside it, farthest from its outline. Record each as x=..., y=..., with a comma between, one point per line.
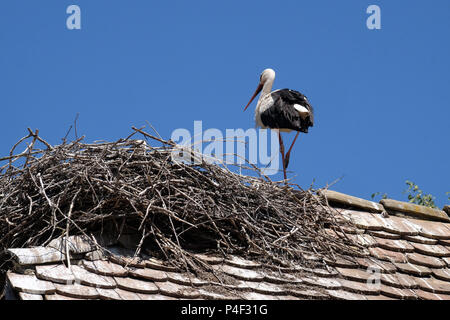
x=265, y=99
x=267, y=87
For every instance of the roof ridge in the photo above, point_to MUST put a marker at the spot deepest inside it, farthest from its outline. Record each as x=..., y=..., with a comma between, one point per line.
x=390, y=206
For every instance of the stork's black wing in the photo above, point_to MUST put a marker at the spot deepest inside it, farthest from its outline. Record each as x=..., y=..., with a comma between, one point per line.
x=295, y=97
x=283, y=115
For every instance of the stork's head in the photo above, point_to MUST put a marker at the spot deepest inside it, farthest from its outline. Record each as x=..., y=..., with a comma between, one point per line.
x=267, y=75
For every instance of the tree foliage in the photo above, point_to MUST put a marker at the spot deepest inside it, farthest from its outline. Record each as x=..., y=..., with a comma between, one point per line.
x=415, y=195
x=376, y=194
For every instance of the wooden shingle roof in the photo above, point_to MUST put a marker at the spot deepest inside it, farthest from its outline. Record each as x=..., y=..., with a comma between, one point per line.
x=406, y=256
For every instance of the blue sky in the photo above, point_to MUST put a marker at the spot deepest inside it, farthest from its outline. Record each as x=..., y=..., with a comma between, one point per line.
x=381, y=97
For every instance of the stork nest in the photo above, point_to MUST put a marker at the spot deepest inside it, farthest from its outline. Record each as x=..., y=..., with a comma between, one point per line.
x=177, y=209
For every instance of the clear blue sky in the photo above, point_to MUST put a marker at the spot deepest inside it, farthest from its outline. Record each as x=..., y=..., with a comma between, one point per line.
x=381, y=97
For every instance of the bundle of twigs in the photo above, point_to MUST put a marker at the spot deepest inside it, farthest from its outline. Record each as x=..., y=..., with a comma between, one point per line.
x=176, y=208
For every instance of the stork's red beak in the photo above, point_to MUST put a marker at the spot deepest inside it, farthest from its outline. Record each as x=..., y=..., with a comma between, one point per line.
x=258, y=90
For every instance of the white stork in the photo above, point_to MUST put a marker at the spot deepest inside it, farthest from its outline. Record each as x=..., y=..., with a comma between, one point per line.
x=284, y=110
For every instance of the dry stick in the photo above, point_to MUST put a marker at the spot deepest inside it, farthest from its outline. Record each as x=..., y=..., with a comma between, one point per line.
x=42, y=192
x=147, y=211
x=35, y=134
x=178, y=242
x=30, y=149
x=141, y=242
x=75, y=125
x=153, y=128
x=68, y=225
x=11, y=152
x=153, y=137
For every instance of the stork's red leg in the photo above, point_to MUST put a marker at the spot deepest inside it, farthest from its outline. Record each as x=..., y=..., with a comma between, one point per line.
x=282, y=153
x=288, y=154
